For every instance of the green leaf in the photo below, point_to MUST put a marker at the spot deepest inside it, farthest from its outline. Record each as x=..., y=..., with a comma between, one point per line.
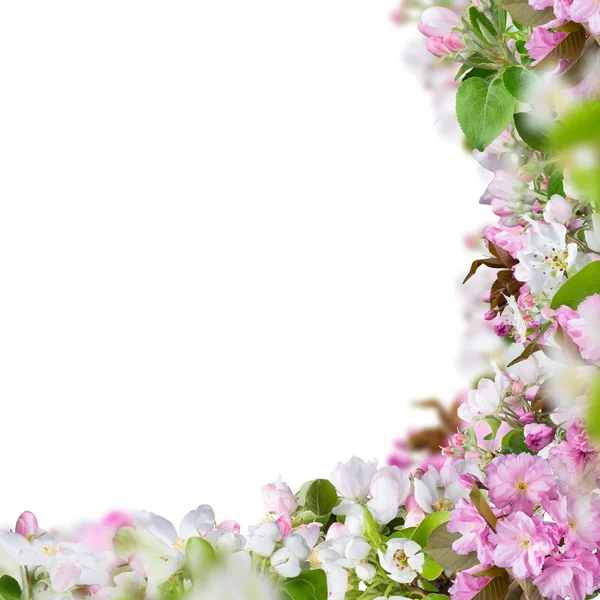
x=440, y=549
x=437, y=597
x=494, y=424
x=555, y=184
x=370, y=529
x=428, y=525
x=9, y=588
x=578, y=287
x=484, y=109
x=301, y=495
x=306, y=517
x=514, y=443
x=431, y=570
x=403, y=533
x=309, y=585
x=523, y=13
x=321, y=497
x=517, y=81
x=594, y=410
x=480, y=24
x=578, y=127
x=199, y=558
x=531, y=133
x=530, y=590
x=470, y=433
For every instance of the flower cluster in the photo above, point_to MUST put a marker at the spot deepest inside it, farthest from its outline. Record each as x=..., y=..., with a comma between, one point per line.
x=501, y=500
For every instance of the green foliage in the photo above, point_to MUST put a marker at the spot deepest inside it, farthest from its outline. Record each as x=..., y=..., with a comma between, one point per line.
x=481, y=26
x=514, y=443
x=555, y=184
x=199, y=558
x=517, y=81
x=594, y=410
x=484, y=109
x=531, y=133
x=321, y=497
x=431, y=570
x=428, y=525
x=578, y=287
x=9, y=588
x=309, y=585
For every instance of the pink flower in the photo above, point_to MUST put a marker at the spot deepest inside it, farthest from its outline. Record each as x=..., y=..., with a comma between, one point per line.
x=577, y=434
x=573, y=576
x=507, y=238
x=99, y=536
x=574, y=469
x=522, y=543
x=542, y=41
x=27, y=524
x=453, y=41
x=285, y=525
x=521, y=481
x=278, y=498
x=583, y=326
x=586, y=11
x=538, y=436
x=466, y=520
x=466, y=586
x=578, y=519
x=437, y=21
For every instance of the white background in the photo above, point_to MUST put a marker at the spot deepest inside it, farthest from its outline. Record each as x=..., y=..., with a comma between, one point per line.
x=230, y=234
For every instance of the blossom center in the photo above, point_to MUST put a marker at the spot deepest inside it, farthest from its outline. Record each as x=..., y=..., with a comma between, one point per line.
x=557, y=259
x=443, y=504
x=179, y=544
x=51, y=549
x=400, y=559
x=524, y=543
x=521, y=486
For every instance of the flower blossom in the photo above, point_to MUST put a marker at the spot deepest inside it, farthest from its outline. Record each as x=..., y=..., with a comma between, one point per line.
x=583, y=327
x=521, y=543
x=569, y=576
x=520, y=481
x=402, y=559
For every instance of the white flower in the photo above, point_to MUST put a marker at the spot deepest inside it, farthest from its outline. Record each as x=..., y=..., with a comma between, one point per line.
x=161, y=547
x=558, y=210
x=441, y=491
x=353, y=478
x=264, y=539
x=545, y=259
x=366, y=571
x=485, y=400
x=127, y=585
x=403, y=559
x=287, y=560
x=389, y=490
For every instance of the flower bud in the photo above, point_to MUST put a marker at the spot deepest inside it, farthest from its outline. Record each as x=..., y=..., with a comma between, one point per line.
x=27, y=524
x=517, y=388
x=437, y=21
x=448, y=452
x=490, y=315
x=365, y=571
x=285, y=525
x=538, y=436
x=436, y=46
x=527, y=418
x=453, y=41
x=473, y=456
x=459, y=439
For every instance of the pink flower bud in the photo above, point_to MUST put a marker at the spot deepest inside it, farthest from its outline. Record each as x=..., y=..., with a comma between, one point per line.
x=517, y=388
x=229, y=526
x=538, y=436
x=502, y=328
x=459, y=439
x=453, y=41
x=411, y=503
x=527, y=418
x=418, y=474
x=486, y=296
x=285, y=525
x=278, y=498
x=436, y=46
x=26, y=524
x=448, y=452
x=490, y=315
